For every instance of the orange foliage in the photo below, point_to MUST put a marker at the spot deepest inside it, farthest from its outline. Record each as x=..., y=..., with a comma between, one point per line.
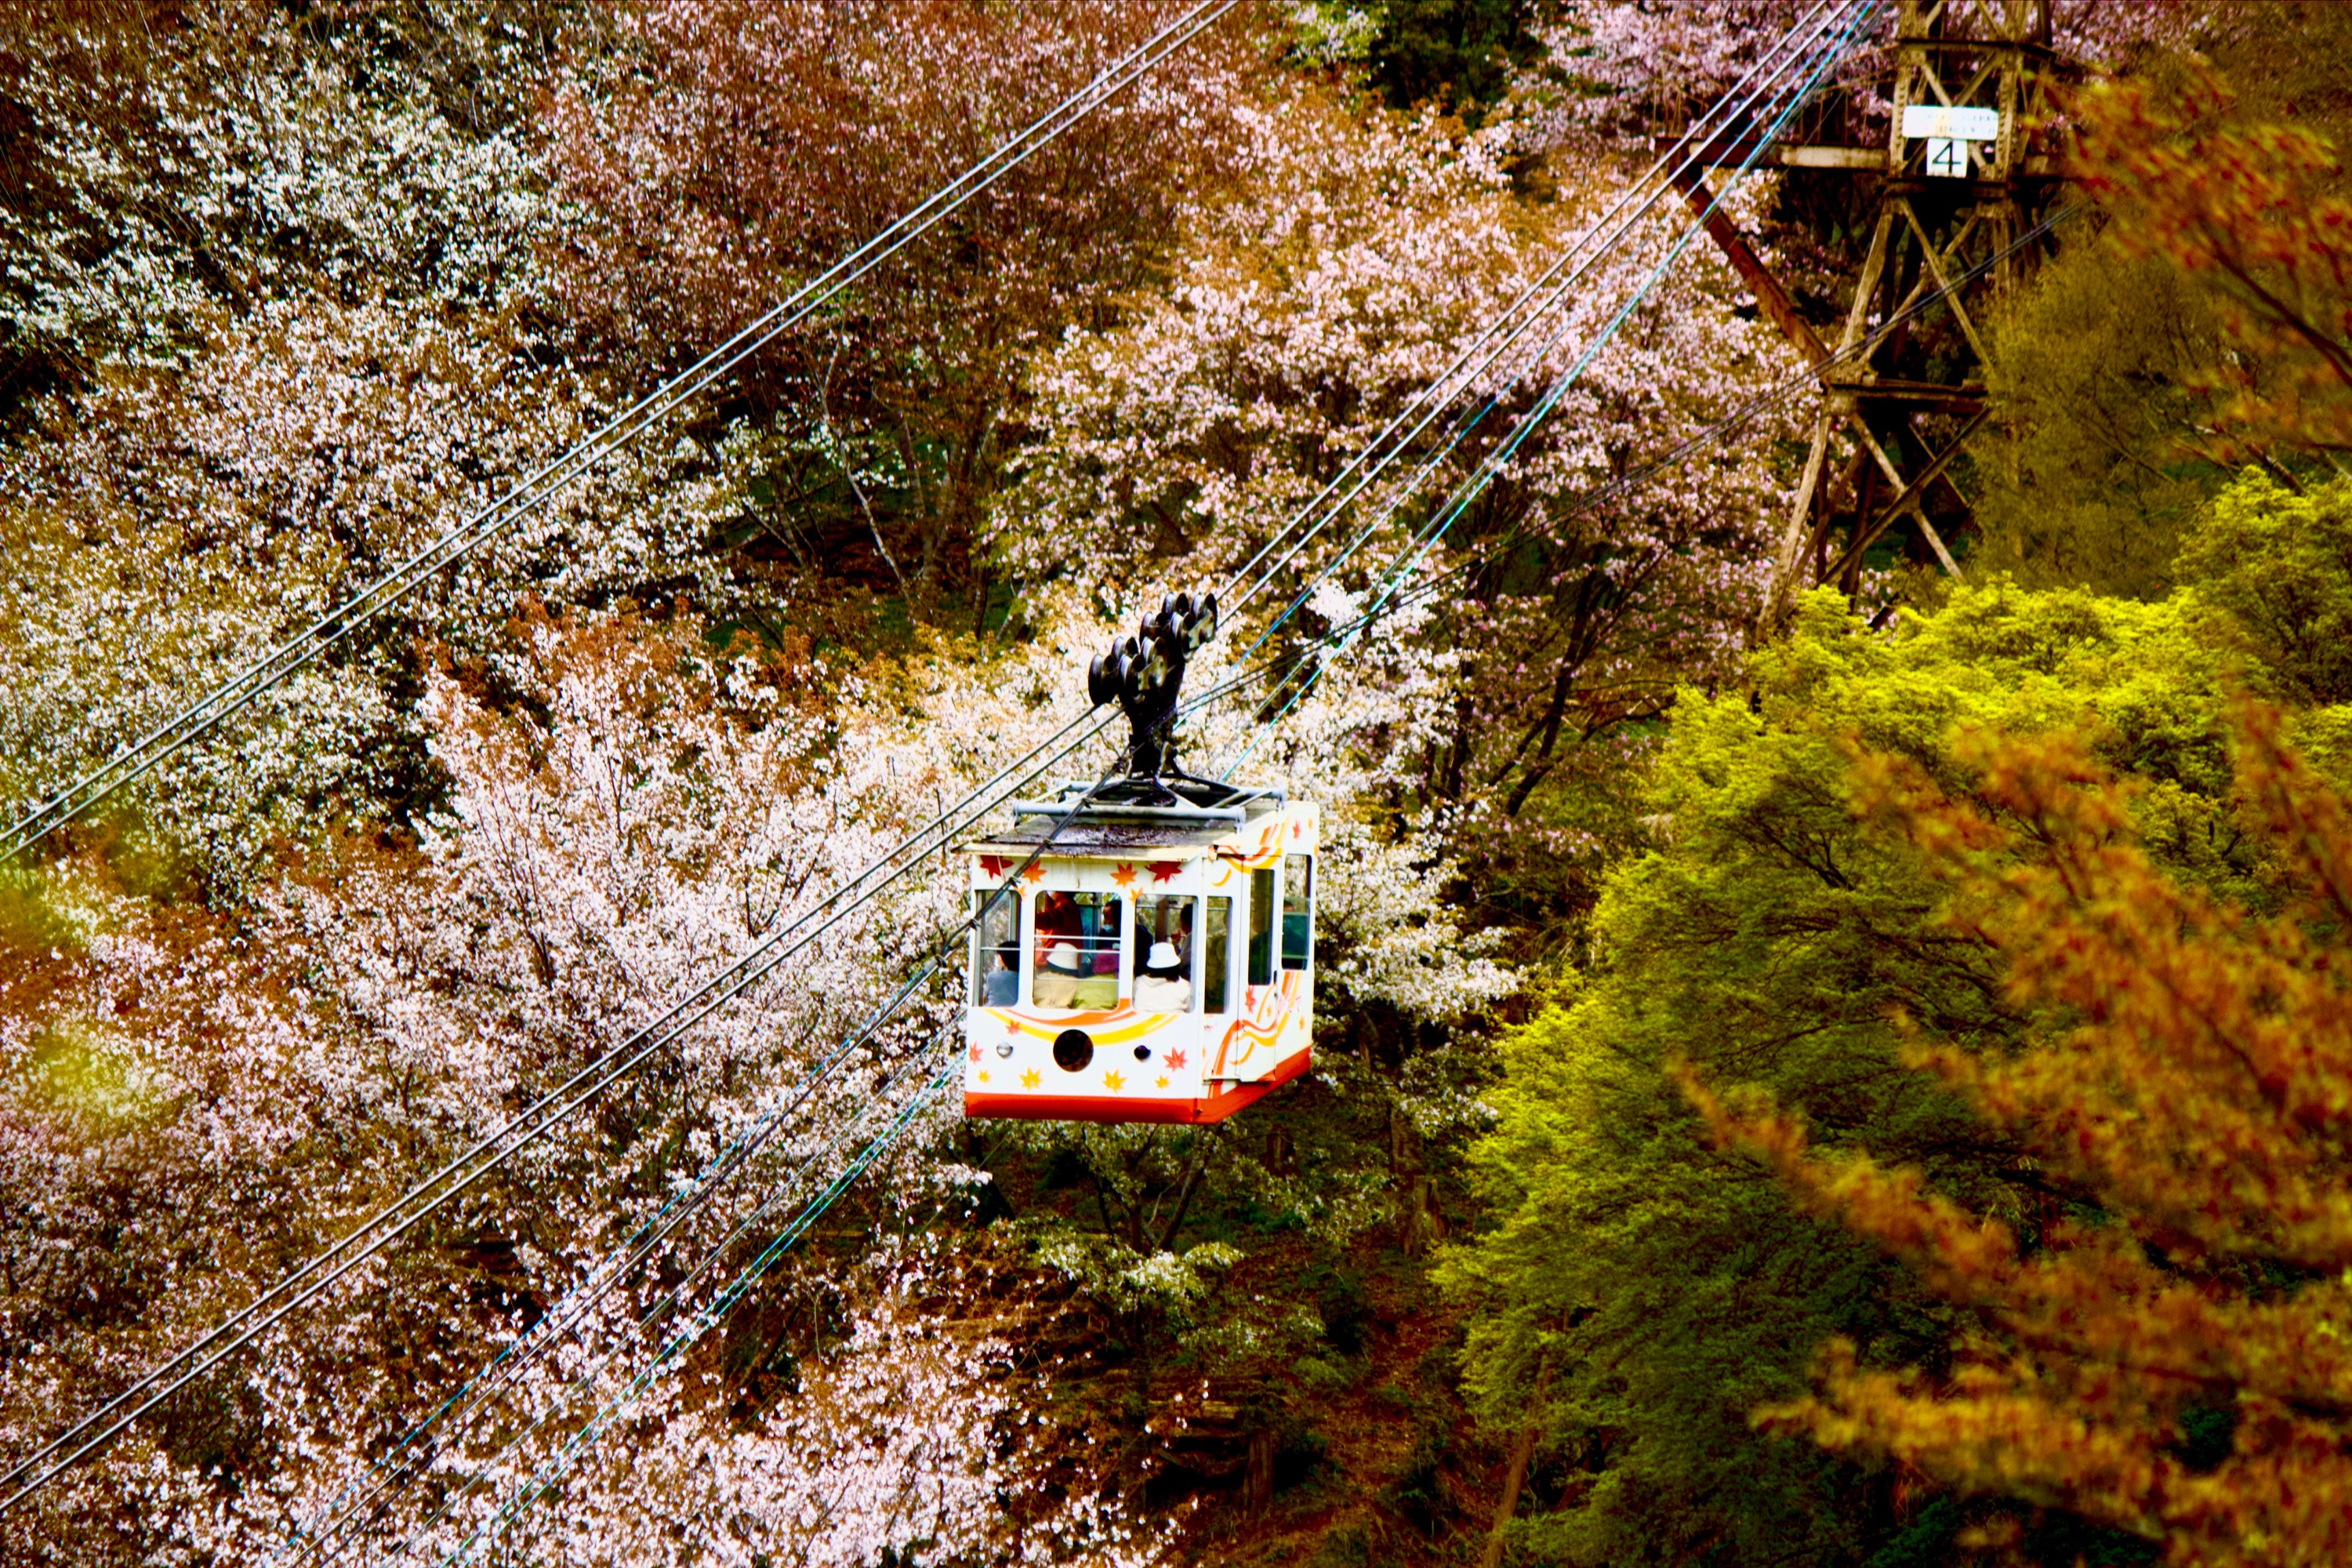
x=2253, y=209
x=2191, y=1079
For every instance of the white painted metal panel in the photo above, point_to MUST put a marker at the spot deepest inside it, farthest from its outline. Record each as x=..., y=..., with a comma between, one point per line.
x=1950, y=123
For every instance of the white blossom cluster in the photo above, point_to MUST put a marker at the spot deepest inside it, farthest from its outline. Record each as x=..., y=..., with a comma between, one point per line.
x=260, y=170
x=1301, y=321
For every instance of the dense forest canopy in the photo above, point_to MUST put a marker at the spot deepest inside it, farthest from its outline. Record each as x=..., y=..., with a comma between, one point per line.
x=1861, y=1087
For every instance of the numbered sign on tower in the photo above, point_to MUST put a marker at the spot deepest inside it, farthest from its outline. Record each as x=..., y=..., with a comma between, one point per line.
x=1948, y=129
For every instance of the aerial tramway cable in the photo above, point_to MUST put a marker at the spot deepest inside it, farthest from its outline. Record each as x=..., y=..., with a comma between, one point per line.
x=1844, y=27
x=389, y=1223
x=898, y=1119
x=341, y=622
x=505, y=1368
x=543, y=1479
x=1853, y=19
x=422, y=1199
x=707, y=1183
x=382, y=1228
x=1309, y=667
x=705, y=1186
x=1654, y=186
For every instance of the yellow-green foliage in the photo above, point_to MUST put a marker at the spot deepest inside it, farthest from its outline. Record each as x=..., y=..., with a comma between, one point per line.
x=1641, y=1292
x=2278, y=568
x=2096, y=461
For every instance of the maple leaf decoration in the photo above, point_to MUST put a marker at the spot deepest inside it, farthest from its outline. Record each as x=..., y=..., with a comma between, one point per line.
x=992, y=867
x=1161, y=1082
x=983, y=1075
x=1165, y=870
x=1175, y=1060
x=975, y=1053
x=1033, y=872
x=1124, y=876
x=1029, y=1078
x=1113, y=1082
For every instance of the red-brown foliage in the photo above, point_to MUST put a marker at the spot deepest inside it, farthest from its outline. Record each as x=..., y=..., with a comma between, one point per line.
x=2192, y=1077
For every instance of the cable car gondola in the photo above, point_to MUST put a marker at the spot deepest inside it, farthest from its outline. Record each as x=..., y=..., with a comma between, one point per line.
x=1155, y=960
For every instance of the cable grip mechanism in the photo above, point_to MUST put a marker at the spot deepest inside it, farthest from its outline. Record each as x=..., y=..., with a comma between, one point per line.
x=1145, y=673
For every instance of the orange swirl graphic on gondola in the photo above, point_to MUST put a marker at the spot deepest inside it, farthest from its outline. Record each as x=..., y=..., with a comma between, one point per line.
x=1267, y=851
x=1261, y=1026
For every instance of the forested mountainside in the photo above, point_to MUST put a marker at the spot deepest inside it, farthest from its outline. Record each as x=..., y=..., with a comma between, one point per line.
x=1861, y=1083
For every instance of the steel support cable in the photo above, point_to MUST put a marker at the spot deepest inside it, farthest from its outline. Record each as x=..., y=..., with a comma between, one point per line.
x=1550, y=286
x=372, y=1235
x=937, y=957
x=506, y=1368
x=1304, y=663
x=721, y=985
x=518, y=1132
x=881, y=1096
x=250, y=681
x=1309, y=669
x=704, y=1320
x=1339, y=638
x=1779, y=391
x=1474, y=483
x=1444, y=452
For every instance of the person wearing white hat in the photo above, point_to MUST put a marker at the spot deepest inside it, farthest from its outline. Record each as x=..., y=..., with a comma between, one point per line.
x=1056, y=983
x=1162, y=986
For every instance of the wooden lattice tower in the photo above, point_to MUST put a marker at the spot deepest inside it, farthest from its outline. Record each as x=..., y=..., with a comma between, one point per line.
x=1964, y=173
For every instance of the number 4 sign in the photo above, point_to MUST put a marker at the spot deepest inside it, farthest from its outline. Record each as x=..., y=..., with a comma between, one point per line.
x=1946, y=130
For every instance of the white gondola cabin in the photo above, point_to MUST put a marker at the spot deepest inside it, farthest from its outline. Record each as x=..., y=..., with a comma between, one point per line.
x=1155, y=964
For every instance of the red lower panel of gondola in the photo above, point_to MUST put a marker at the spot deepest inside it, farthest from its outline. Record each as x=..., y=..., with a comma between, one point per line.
x=1114, y=1107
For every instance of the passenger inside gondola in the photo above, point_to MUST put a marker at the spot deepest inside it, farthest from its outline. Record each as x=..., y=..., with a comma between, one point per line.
x=1163, y=923
x=996, y=960
x=1079, y=948
x=1162, y=985
x=1057, y=920
x=1056, y=984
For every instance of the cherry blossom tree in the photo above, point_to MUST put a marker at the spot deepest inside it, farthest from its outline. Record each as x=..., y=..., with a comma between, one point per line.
x=717, y=150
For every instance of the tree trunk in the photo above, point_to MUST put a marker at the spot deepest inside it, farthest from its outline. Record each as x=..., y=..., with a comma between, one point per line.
x=1258, y=1487
x=1523, y=1445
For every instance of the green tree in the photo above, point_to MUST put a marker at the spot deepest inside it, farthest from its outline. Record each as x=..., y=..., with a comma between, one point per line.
x=2099, y=454
x=2277, y=566
x=1640, y=1291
